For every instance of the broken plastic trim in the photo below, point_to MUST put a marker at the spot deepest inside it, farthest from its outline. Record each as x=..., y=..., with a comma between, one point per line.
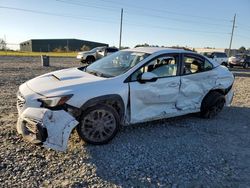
x=56, y=124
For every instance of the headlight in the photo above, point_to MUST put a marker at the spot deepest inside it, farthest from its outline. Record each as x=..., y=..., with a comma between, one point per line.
x=55, y=101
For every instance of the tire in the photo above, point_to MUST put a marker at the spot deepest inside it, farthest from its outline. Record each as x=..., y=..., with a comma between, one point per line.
x=231, y=66
x=98, y=124
x=212, y=104
x=246, y=66
x=90, y=59
x=224, y=64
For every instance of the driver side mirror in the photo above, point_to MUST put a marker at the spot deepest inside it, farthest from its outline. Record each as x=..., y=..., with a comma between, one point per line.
x=147, y=77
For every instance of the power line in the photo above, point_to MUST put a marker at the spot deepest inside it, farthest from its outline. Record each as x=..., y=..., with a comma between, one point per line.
x=113, y=8
x=141, y=14
x=88, y=5
x=55, y=14
x=245, y=27
x=133, y=6
x=242, y=36
x=135, y=24
x=173, y=28
x=178, y=20
x=127, y=23
x=165, y=11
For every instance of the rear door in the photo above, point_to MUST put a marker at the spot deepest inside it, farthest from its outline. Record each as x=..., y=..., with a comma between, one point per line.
x=197, y=79
x=155, y=99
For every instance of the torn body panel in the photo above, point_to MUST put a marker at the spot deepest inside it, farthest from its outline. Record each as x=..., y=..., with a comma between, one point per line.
x=193, y=89
x=43, y=126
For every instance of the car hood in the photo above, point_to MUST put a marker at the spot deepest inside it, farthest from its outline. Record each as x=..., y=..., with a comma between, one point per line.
x=61, y=82
x=85, y=53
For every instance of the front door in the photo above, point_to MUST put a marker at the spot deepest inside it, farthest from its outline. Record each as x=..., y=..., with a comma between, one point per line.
x=155, y=99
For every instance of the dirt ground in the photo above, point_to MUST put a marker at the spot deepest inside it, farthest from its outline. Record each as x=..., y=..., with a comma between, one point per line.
x=180, y=152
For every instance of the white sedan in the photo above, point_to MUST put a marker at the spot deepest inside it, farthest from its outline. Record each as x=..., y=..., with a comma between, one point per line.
x=127, y=87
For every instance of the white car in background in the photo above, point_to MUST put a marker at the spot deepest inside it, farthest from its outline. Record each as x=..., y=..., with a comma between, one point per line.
x=220, y=57
x=94, y=54
x=127, y=87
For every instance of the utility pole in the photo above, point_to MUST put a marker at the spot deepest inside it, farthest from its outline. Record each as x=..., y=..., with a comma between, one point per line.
x=230, y=45
x=5, y=48
x=67, y=46
x=120, y=41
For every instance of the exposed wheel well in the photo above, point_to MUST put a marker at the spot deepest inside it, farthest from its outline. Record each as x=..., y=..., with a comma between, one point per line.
x=221, y=91
x=212, y=103
x=113, y=100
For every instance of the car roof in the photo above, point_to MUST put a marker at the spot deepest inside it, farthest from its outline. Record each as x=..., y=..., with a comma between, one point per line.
x=151, y=50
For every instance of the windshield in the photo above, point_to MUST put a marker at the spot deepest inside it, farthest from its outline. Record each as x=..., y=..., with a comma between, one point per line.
x=116, y=64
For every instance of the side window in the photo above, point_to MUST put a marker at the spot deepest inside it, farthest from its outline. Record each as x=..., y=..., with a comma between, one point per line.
x=217, y=55
x=194, y=65
x=163, y=66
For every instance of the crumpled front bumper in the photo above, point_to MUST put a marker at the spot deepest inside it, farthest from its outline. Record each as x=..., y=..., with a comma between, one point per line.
x=49, y=128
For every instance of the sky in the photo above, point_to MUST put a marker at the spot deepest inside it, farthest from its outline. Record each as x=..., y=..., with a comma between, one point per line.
x=191, y=23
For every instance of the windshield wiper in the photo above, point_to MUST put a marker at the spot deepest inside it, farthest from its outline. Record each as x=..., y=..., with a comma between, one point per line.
x=99, y=74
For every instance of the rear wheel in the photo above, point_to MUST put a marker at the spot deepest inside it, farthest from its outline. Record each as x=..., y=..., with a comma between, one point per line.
x=98, y=124
x=212, y=104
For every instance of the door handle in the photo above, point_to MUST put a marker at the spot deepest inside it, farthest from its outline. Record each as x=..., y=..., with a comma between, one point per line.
x=173, y=85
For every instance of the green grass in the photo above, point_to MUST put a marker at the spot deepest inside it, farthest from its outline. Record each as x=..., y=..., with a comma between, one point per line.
x=52, y=54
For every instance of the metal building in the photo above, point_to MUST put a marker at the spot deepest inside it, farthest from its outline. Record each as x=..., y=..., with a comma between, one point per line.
x=49, y=45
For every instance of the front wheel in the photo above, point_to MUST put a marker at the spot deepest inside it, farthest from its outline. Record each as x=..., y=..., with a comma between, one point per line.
x=245, y=66
x=224, y=64
x=212, y=104
x=98, y=124
x=90, y=59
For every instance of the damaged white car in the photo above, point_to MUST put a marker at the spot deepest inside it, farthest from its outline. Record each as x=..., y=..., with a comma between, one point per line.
x=127, y=87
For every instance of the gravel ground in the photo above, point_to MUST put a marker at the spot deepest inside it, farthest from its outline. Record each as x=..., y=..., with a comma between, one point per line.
x=180, y=152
